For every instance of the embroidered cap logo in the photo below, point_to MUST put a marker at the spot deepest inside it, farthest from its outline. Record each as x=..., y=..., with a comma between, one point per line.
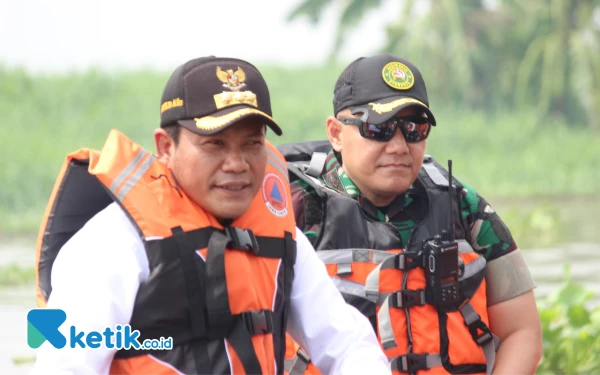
x=398, y=76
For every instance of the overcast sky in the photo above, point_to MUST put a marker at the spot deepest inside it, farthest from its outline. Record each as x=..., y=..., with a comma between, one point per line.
x=61, y=35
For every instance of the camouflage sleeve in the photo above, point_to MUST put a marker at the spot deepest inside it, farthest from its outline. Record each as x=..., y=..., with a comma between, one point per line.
x=507, y=273
x=304, y=200
x=490, y=236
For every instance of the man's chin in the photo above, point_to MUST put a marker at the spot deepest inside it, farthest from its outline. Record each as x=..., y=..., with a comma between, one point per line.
x=230, y=211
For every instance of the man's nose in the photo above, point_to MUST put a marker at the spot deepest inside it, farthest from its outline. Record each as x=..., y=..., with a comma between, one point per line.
x=397, y=144
x=235, y=163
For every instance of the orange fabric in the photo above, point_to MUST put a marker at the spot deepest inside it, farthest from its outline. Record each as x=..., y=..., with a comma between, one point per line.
x=424, y=320
x=144, y=364
x=157, y=206
x=291, y=348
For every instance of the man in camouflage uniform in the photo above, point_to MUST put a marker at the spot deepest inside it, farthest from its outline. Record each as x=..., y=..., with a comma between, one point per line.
x=367, y=160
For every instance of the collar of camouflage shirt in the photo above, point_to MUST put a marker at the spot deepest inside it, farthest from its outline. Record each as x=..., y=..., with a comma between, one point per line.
x=336, y=178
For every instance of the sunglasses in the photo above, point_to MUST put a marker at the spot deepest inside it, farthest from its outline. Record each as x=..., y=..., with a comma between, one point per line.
x=414, y=129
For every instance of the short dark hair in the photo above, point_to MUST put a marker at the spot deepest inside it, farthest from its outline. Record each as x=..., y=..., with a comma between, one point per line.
x=173, y=130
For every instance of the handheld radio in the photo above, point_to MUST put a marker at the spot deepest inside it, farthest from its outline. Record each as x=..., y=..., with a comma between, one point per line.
x=441, y=260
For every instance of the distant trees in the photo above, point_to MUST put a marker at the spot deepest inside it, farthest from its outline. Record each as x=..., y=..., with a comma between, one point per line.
x=494, y=54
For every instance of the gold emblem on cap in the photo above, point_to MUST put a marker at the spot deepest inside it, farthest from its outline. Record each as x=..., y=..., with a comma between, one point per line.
x=215, y=122
x=398, y=76
x=233, y=81
x=389, y=107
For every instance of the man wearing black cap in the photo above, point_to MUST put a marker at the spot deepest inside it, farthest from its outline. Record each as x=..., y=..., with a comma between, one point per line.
x=195, y=249
x=373, y=205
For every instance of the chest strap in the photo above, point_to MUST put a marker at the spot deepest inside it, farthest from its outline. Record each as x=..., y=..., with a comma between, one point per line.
x=210, y=315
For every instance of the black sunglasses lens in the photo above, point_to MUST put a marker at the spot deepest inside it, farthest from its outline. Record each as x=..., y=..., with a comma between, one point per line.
x=415, y=131
x=380, y=132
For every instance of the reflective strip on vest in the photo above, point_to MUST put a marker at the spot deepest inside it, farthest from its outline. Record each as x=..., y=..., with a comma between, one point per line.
x=129, y=183
x=347, y=256
x=127, y=170
x=273, y=159
x=384, y=322
x=344, y=258
x=372, y=283
x=357, y=289
x=135, y=177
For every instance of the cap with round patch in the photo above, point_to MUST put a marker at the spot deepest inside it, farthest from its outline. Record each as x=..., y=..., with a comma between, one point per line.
x=398, y=76
x=381, y=86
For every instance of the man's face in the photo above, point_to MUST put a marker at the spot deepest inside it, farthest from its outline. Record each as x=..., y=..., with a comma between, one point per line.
x=381, y=170
x=223, y=172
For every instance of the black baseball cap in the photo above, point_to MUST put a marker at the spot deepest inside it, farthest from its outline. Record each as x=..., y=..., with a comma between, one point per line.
x=208, y=94
x=380, y=86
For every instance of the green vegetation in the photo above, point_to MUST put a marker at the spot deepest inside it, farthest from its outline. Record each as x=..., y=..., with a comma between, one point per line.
x=13, y=275
x=502, y=155
x=571, y=331
x=540, y=55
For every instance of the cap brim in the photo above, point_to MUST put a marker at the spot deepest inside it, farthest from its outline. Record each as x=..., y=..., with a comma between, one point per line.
x=225, y=118
x=384, y=109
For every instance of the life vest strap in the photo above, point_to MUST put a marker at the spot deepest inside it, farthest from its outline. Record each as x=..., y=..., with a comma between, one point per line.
x=317, y=163
x=412, y=362
x=404, y=261
x=404, y=299
x=298, y=364
x=161, y=250
x=258, y=322
x=481, y=334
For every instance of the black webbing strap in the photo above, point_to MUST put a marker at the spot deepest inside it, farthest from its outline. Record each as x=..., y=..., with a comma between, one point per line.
x=241, y=341
x=209, y=310
x=159, y=251
x=194, y=289
x=221, y=322
x=288, y=262
x=220, y=319
x=256, y=322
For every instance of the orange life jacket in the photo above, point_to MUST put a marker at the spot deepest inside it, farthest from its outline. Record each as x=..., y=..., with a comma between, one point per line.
x=222, y=293
x=386, y=280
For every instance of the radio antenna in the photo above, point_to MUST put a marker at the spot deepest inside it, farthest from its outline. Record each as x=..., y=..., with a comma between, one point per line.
x=450, y=188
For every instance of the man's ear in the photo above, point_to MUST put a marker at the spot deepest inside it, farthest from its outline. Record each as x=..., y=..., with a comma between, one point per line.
x=334, y=133
x=165, y=145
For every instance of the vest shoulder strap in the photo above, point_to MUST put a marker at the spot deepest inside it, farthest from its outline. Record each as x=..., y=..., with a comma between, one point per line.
x=77, y=197
x=434, y=176
x=303, y=151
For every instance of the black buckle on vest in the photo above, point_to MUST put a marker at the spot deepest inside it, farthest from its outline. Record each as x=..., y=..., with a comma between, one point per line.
x=411, y=362
x=408, y=260
x=241, y=239
x=481, y=338
x=407, y=298
x=258, y=322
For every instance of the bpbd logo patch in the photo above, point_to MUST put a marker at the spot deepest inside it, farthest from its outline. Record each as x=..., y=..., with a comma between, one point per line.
x=274, y=194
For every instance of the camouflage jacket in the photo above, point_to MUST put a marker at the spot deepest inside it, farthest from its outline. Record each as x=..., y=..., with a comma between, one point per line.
x=490, y=235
